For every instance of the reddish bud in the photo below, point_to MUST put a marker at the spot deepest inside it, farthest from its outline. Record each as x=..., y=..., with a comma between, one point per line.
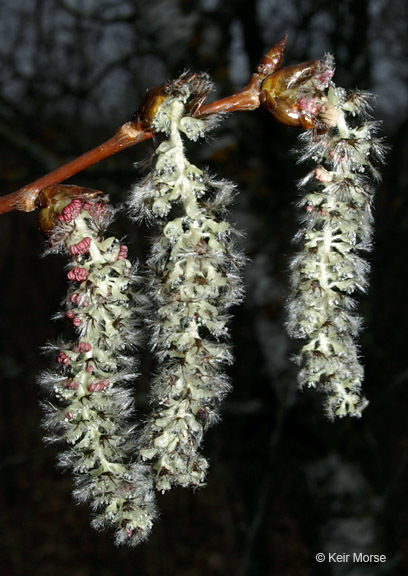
x=295, y=95
x=69, y=415
x=325, y=78
x=100, y=208
x=273, y=59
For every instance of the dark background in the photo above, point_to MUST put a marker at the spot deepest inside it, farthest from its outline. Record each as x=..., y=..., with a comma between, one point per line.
x=284, y=483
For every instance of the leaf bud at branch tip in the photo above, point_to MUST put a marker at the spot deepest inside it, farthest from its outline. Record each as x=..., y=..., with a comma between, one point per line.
x=272, y=59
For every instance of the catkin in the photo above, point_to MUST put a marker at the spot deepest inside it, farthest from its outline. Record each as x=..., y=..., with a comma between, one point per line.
x=195, y=270
x=336, y=228
x=91, y=402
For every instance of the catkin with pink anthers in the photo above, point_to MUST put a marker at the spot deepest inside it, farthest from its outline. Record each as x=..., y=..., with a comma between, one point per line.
x=92, y=403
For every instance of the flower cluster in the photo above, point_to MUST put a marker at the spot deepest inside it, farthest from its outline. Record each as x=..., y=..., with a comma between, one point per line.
x=195, y=279
x=336, y=227
x=93, y=404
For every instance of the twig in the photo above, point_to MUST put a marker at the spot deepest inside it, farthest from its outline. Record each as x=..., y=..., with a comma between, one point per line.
x=25, y=198
x=131, y=133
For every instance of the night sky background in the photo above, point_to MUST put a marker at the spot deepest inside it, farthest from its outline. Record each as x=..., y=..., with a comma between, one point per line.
x=284, y=482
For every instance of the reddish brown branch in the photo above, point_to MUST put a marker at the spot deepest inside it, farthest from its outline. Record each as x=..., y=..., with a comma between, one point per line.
x=131, y=133
x=248, y=97
x=25, y=198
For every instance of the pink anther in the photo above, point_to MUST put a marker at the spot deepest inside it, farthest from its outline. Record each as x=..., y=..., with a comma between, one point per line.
x=84, y=347
x=71, y=211
x=311, y=105
x=81, y=247
x=123, y=252
x=70, y=314
x=78, y=300
x=324, y=79
x=70, y=385
x=95, y=210
x=98, y=386
x=100, y=208
x=63, y=359
x=78, y=274
x=322, y=175
x=74, y=298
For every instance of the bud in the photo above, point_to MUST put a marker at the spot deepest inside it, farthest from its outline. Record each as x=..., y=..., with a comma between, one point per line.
x=296, y=95
x=61, y=202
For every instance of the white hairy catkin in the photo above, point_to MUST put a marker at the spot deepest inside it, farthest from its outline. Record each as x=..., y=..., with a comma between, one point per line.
x=92, y=402
x=195, y=271
x=329, y=267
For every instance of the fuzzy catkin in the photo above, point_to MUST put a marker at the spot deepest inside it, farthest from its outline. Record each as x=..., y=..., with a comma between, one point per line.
x=336, y=227
x=93, y=405
x=195, y=279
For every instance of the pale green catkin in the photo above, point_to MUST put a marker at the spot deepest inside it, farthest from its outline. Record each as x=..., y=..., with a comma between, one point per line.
x=328, y=268
x=195, y=278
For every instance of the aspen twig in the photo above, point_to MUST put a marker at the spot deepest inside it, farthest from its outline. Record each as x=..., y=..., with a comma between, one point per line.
x=25, y=199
